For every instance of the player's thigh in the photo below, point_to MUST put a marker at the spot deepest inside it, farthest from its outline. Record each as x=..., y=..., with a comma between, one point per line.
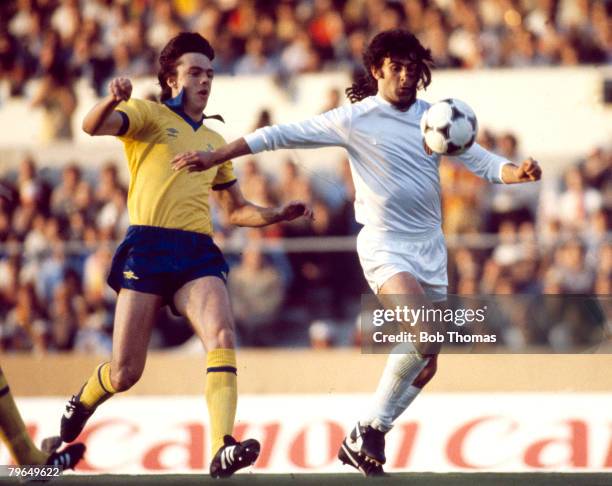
x=206, y=303
x=135, y=314
x=402, y=289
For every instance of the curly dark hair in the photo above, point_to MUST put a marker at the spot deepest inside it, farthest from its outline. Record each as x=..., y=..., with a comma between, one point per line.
x=177, y=46
x=396, y=42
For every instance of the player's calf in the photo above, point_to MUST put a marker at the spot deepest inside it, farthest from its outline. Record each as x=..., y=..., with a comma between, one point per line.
x=427, y=373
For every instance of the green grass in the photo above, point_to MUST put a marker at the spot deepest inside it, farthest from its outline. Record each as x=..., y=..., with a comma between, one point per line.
x=349, y=479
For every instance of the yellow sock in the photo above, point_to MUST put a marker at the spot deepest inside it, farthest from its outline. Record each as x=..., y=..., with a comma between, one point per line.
x=221, y=394
x=13, y=430
x=98, y=388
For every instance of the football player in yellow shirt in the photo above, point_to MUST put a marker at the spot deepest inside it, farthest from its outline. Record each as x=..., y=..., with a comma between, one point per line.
x=168, y=255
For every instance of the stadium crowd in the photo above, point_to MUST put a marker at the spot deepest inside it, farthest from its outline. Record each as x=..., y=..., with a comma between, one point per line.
x=58, y=231
x=58, y=41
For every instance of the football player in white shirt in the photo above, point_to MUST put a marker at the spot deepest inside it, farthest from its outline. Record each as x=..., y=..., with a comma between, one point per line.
x=401, y=246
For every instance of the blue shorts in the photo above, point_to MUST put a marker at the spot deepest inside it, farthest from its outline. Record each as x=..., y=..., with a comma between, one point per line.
x=161, y=260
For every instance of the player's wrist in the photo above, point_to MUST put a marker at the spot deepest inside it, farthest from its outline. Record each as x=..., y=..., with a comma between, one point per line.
x=278, y=214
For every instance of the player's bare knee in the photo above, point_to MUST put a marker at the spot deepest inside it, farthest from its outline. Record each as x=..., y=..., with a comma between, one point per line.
x=226, y=337
x=125, y=377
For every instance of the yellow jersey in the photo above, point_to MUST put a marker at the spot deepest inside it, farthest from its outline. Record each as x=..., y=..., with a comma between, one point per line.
x=152, y=134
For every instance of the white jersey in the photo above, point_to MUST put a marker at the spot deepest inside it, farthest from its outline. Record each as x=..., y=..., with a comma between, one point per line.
x=397, y=185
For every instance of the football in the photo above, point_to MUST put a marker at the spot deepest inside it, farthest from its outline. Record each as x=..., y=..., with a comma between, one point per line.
x=449, y=127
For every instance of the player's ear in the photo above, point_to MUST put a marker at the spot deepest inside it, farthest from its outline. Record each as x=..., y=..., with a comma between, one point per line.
x=376, y=72
x=172, y=81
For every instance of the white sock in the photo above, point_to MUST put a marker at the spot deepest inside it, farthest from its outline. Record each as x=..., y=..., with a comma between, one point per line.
x=395, y=390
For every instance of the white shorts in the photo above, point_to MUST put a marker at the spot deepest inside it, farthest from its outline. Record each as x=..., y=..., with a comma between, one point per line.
x=383, y=254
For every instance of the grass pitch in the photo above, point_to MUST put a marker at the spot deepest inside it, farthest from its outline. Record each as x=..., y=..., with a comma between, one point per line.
x=349, y=479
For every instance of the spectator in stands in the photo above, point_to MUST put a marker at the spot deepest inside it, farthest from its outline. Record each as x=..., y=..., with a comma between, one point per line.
x=577, y=203
x=113, y=216
x=25, y=328
x=94, y=334
x=334, y=100
x=597, y=168
x=255, y=59
x=299, y=56
x=96, y=267
x=321, y=334
x=63, y=198
x=257, y=292
x=574, y=275
x=13, y=64
x=55, y=93
x=264, y=118
x=517, y=204
x=63, y=319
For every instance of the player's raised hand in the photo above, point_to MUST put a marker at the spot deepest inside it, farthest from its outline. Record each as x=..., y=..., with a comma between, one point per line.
x=529, y=170
x=120, y=89
x=193, y=161
x=295, y=209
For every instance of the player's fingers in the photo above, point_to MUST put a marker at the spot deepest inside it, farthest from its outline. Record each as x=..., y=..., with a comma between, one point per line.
x=123, y=88
x=180, y=161
x=113, y=88
x=536, y=173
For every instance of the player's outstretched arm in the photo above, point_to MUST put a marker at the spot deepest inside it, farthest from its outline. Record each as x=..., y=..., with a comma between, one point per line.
x=528, y=171
x=244, y=213
x=329, y=129
x=102, y=119
x=199, y=161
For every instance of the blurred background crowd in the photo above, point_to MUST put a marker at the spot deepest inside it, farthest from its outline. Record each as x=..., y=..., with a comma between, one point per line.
x=59, y=41
x=58, y=230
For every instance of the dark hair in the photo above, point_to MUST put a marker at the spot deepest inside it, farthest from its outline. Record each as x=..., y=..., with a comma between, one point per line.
x=177, y=46
x=396, y=42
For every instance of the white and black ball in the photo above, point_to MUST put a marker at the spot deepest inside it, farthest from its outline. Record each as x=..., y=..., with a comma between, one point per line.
x=449, y=127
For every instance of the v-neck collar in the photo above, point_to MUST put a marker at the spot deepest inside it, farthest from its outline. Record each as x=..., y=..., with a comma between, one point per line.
x=176, y=105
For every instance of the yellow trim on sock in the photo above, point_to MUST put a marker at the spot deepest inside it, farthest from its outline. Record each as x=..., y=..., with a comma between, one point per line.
x=105, y=374
x=98, y=388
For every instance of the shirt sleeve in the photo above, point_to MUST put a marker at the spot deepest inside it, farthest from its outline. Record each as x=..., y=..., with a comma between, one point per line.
x=225, y=176
x=326, y=130
x=483, y=163
x=137, y=116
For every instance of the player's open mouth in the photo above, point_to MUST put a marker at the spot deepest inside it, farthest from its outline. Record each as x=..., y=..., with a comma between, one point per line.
x=204, y=92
